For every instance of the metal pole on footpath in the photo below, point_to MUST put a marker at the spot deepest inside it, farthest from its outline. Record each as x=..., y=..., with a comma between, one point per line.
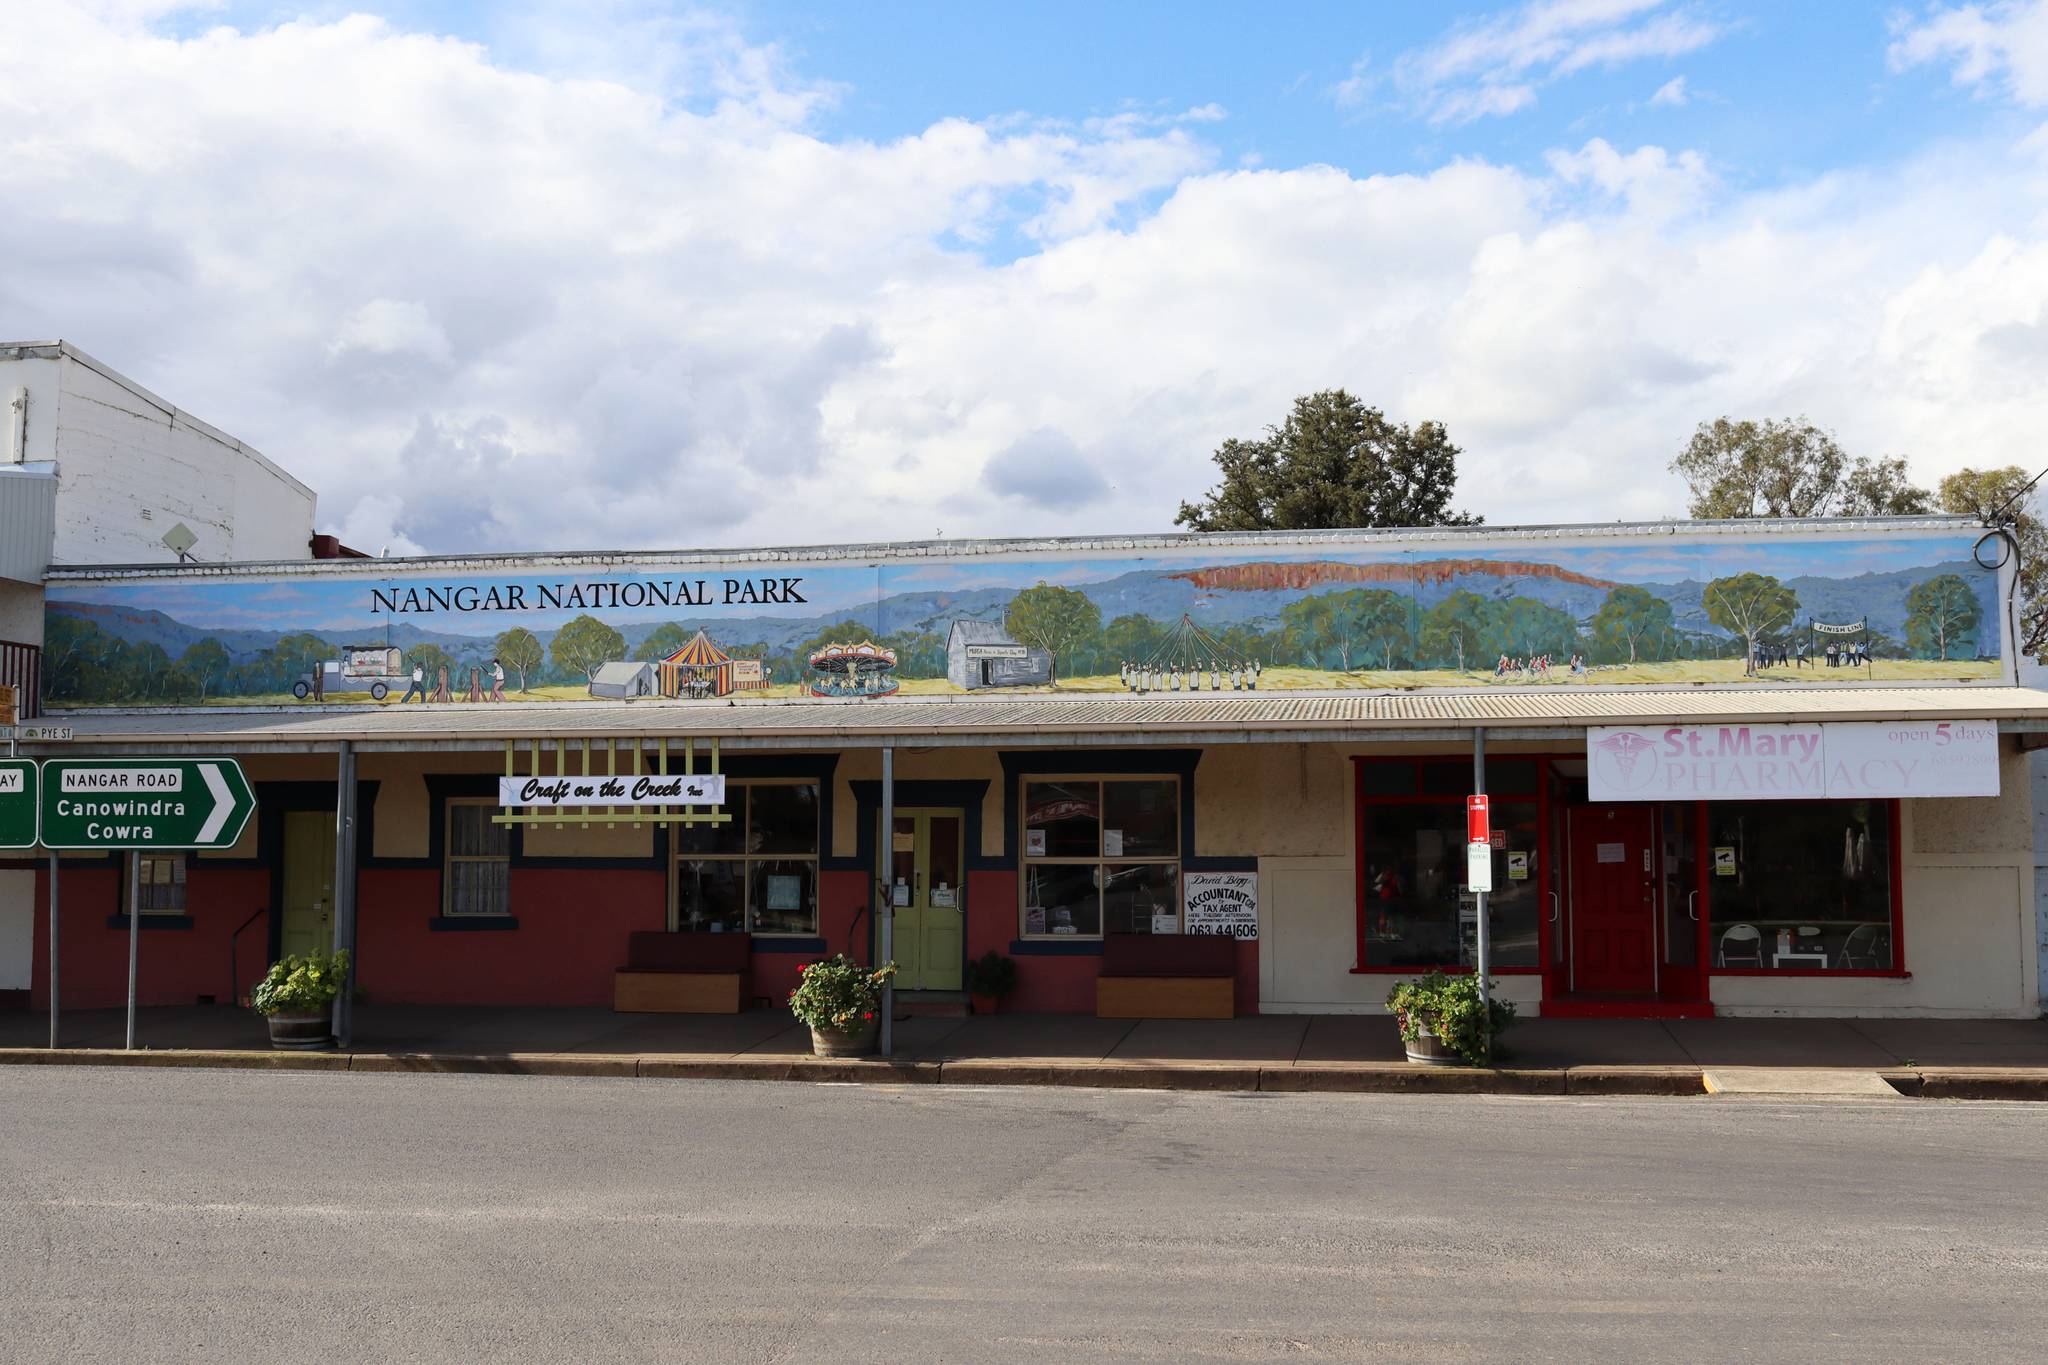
x=885, y=919
x=53, y=949
x=1484, y=965
x=134, y=934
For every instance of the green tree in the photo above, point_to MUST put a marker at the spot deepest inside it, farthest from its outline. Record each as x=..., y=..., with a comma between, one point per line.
x=1454, y=630
x=1053, y=619
x=1751, y=605
x=1132, y=638
x=207, y=664
x=1341, y=625
x=586, y=644
x=1985, y=493
x=661, y=642
x=1789, y=468
x=430, y=660
x=1628, y=618
x=1940, y=612
x=1333, y=463
x=519, y=650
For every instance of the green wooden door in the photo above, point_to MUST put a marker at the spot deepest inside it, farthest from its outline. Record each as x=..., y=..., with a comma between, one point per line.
x=308, y=900
x=925, y=867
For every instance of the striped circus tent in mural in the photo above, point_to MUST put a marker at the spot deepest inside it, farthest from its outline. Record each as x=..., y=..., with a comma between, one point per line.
x=700, y=668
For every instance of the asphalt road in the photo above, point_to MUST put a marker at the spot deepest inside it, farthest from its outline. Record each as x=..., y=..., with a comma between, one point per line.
x=161, y=1214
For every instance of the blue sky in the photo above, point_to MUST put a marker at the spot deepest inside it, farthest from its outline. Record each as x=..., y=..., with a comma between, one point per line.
x=555, y=274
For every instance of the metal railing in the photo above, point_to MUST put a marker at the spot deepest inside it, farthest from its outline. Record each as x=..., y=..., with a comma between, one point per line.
x=21, y=667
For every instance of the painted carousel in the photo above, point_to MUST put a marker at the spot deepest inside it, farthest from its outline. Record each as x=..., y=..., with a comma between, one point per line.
x=1190, y=659
x=862, y=670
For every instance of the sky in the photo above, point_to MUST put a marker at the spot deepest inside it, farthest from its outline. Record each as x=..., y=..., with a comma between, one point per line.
x=607, y=274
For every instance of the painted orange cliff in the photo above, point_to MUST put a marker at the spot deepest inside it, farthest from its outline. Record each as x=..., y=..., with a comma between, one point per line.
x=1271, y=577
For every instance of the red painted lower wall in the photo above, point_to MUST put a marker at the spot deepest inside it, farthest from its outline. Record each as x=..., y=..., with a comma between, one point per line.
x=175, y=966
x=571, y=937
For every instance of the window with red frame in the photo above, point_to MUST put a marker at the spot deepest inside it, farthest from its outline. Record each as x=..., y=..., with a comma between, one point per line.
x=1416, y=911
x=1801, y=885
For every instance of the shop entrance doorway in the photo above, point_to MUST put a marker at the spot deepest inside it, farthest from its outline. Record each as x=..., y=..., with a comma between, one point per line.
x=1613, y=900
x=925, y=862
x=306, y=902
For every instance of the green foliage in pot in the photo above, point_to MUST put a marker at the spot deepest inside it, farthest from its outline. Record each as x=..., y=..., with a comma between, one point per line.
x=1448, y=1007
x=839, y=993
x=302, y=983
x=991, y=974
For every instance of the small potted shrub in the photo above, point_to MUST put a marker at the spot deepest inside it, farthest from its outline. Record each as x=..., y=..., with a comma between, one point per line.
x=297, y=997
x=1442, y=1023
x=990, y=977
x=841, y=1000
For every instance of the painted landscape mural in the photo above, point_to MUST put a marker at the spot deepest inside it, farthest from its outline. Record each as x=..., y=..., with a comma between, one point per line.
x=1473, y=611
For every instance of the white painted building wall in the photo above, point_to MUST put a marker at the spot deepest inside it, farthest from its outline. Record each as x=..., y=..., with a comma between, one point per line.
x=130, y=466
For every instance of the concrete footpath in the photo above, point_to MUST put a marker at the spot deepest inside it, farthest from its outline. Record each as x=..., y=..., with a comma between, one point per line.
x=1947, y=1059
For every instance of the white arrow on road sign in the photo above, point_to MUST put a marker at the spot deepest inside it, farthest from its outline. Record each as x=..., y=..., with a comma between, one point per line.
x=223, y=802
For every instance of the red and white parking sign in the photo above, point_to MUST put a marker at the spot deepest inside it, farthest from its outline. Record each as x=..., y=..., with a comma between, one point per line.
x=1477, y=829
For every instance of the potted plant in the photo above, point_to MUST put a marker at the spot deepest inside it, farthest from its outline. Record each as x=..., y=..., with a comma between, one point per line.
x=990, y=977
x=841, y=1000
x=297, y=997
x=1442, y=1023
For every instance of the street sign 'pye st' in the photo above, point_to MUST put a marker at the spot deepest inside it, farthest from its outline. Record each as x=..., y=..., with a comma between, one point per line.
x=109, y=803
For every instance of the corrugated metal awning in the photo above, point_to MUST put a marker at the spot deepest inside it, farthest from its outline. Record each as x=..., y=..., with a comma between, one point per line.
x=1536, y=713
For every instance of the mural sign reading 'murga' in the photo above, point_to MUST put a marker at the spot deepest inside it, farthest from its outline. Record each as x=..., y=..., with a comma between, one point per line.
x=1664, y=604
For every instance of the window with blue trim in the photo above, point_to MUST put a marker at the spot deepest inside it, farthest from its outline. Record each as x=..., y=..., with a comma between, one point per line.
x=1101, y=855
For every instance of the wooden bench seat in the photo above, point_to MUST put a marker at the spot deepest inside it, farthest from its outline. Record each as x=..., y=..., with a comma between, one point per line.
x=1167, y=976
x=682, y=973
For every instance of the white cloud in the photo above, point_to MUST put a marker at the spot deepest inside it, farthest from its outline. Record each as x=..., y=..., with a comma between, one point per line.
x=1495, y=66
x=485, y=305
x=1671, y=94
x=2001, y=46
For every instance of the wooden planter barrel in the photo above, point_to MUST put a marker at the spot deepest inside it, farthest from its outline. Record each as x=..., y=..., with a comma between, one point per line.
x=302, y=1032
x=833, y=1042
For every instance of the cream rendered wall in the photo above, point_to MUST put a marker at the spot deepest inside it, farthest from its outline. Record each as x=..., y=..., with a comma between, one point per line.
x=914, y=765
x=1969, y=920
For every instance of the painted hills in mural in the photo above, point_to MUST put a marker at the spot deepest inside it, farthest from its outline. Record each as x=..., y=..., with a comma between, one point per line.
x=1315, y=619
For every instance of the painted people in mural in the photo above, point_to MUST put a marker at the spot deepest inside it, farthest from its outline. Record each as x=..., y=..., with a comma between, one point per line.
x=1184, y=617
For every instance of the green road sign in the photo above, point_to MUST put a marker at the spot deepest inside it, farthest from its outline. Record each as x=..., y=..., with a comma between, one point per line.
x=144, y=802
x=17, y=803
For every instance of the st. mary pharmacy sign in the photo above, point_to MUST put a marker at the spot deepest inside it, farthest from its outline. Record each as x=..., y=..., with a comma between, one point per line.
x=1847, y=761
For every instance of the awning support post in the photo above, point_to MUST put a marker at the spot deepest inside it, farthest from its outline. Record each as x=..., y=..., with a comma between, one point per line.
x=134, y=934
x=53, y=948
x=1484, y=966
x=885, y=915
x=345, y=888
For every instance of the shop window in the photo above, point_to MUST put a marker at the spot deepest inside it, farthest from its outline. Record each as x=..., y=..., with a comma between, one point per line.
x=1418, y=912
x=1801, y=886
x=758, y=872
x=159, y=883
x=1101, y=856
x=477, y=878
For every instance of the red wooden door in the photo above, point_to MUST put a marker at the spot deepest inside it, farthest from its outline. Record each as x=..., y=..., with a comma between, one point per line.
x=1614, y=940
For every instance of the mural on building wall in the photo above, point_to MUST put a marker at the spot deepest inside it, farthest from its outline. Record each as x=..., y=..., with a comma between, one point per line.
x=1197, y=617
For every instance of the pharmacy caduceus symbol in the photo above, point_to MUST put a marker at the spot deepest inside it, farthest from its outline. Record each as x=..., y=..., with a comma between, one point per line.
x=1626, y=761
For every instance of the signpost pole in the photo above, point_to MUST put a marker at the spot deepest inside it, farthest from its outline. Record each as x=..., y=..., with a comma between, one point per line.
x=1485, y=963
x=344, y=887
x=885, y=919
x=53, y=949
x=134, y=936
